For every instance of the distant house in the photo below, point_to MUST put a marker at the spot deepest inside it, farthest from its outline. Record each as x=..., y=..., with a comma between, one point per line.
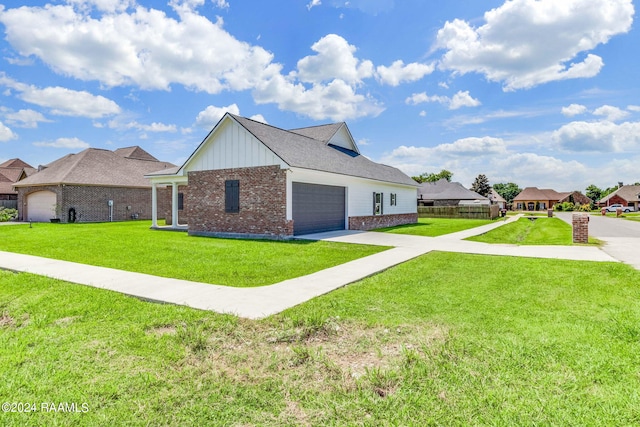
x=445, y=193
x=536, y=199
x=11, y=172
x=627, y=195
x=90, y=186
x=251, y=179
x=497, y=199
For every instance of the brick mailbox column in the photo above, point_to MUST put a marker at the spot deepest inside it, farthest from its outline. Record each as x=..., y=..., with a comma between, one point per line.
x=580, y=223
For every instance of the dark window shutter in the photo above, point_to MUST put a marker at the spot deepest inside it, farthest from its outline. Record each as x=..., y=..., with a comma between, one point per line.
x=374, y=202
x=381, y=203
x=180, y=201
x=232, y=195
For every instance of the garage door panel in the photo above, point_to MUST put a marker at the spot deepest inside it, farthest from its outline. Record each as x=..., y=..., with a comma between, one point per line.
x=318, y=208
x=41, y=206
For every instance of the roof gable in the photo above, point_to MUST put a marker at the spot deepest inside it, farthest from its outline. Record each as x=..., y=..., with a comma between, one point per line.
x=135, y=152
x=15, y=163
x=300, y=151
x=630, y=193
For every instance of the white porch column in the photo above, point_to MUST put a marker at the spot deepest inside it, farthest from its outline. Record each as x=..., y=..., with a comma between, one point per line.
x=174, y=205
x=154, y=205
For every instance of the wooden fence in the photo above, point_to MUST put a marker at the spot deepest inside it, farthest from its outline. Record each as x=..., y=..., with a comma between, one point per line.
x=473, y=212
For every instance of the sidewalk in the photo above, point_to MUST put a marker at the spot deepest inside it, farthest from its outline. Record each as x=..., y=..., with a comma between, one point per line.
x=259, y=302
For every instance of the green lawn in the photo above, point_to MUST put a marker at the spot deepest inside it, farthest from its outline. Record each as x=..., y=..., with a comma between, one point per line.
x=525, y=231
x=444, y=339
x=132, y=246
x=433, y=227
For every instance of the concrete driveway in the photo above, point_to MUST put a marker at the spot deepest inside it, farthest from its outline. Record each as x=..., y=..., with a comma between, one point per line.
x=621, y=236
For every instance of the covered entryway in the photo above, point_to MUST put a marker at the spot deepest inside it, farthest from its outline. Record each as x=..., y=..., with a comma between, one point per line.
x=41, y=206
x=317, y=208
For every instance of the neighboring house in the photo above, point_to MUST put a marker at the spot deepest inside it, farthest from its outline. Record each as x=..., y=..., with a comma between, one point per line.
x=497, y=199
x=575, y=197
x=445, y=193
x=251, y=179
x=535, y=199
x=90, y=186
x=11, y=172
x=627, y=195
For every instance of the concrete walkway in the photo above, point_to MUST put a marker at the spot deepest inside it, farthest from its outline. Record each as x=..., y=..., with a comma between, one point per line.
x=255, y=303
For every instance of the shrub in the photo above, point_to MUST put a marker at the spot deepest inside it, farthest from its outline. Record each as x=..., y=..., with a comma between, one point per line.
x=8, y=214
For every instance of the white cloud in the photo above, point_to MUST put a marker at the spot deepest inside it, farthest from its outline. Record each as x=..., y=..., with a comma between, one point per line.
x=459, y=100
x=524, y=43
x=337, y=100
x=153, y=127
x=335, y=60
x=635, y=108
x=610, y=113
x=143, y=47
x=313, y=3
x=603, y=137
x=463, y=99
x=103, y=5
x=464, y=159
x=259, y=118
x=6, y=134
x=62, y=101
x=574, y=110
x=64, y=143
x=398, y=72
x=211, y=115
x=26, y=118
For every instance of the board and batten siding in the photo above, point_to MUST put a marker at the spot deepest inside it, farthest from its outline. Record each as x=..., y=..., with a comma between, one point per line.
x=359, y=192
x=232, y=146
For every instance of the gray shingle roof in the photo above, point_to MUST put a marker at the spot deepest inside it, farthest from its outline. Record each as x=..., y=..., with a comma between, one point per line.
x=95, y=166
x=627, y=192
x=322, y=133
x=297, y=149
x=445, y=190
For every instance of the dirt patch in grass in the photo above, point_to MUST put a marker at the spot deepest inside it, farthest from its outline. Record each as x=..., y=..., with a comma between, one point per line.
x=326, y=356
x=162, y=330
x=66, y=320
x=6, y=320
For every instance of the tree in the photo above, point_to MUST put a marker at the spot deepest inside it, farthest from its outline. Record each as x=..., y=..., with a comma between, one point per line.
x=508, y=191
x=481, y=185
x=594, y=193
x=433, y=177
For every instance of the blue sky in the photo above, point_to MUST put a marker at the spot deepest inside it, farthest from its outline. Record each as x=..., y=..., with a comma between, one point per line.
x=537, y=92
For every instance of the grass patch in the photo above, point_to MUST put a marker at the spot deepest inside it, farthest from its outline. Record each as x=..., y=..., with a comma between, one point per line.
x=444, y=339
x=132, y=246
x=534, y=231
x=432, y=227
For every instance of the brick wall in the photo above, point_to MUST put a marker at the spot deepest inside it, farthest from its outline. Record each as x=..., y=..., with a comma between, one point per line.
x=580, y=222
x=379, y=221
x=164, y=204
x=263, y=202
x=91, y=203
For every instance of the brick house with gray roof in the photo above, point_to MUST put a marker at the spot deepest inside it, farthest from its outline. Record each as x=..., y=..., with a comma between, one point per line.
x=627, y=195
x=12, y=171
x=94, y=185
x=251, y=179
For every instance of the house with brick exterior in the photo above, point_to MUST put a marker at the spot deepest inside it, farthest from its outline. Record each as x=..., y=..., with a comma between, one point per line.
x=12, y=171
x=627, y=195
x=536, y=199
x=91, y=186
x=250, y=179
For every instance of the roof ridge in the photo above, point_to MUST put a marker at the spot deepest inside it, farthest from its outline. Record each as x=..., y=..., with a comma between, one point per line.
x=268, y=125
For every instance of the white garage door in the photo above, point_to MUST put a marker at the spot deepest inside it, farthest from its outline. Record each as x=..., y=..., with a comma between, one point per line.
x=41, y=206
